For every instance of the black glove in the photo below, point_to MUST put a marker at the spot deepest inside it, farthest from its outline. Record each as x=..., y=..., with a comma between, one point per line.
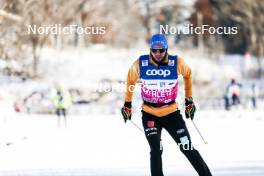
x=189, y=108
x=126, y=111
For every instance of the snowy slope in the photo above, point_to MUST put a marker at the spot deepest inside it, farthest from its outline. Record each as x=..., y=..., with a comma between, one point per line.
x=103, y=145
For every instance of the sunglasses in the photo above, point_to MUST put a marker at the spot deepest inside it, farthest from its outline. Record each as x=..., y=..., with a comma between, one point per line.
x=156, y=50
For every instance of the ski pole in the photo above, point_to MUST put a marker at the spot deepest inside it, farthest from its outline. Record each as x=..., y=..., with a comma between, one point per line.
x=205, y=141
x=136, y=126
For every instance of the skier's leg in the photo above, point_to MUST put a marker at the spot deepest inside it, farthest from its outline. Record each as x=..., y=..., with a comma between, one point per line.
x=65, y=117
x=254, y=103
x=238, y=100
x=152, y=130
x=176, y=127
x=58, y=116
x=234, y=100
x=227, y=105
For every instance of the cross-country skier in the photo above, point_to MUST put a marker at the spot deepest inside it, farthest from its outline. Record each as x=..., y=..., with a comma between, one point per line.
x=233, y=92
x=62, y=102
x=159, y=73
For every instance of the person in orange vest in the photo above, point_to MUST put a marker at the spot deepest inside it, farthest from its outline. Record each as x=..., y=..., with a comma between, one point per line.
x=158, y=73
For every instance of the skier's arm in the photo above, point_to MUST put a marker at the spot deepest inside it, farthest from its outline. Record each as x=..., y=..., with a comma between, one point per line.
x=186, y=72
x=132, y=77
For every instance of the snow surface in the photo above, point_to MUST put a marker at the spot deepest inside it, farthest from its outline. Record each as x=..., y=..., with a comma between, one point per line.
x=102, y=145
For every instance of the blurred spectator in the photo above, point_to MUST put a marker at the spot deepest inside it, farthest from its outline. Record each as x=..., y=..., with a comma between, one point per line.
x=226, y=98
x=28, y=101
x=17, y=107
x=254, y=94
x=62, y=101
x=232, y=93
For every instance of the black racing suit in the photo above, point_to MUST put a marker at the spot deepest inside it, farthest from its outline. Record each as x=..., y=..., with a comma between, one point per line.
x=176, y=127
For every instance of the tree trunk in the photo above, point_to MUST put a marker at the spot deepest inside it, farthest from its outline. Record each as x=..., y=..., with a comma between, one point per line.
x=35, y=62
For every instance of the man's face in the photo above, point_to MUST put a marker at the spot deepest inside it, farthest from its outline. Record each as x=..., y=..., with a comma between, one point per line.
x=158, y=53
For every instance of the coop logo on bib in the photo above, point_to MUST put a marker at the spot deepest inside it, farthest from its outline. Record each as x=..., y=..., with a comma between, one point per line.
x=154, y=72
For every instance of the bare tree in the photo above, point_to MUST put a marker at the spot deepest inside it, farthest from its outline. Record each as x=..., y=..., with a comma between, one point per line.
x=125, y=22
x=248, y=16
x=150, y=12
